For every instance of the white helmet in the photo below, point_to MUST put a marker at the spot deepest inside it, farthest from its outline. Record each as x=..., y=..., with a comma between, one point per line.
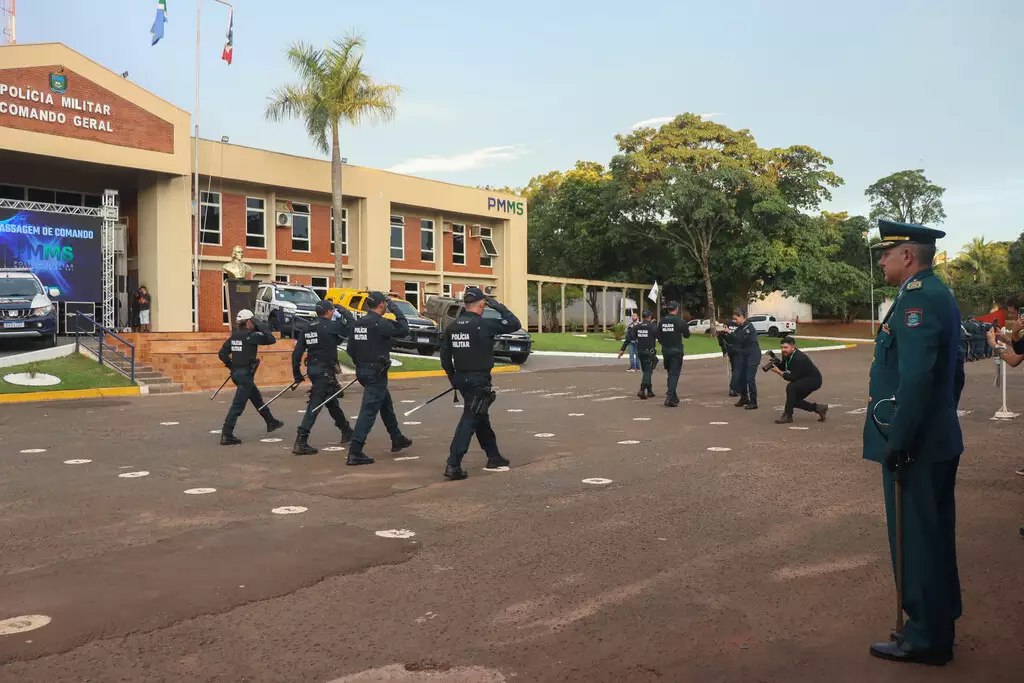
x=243, y=315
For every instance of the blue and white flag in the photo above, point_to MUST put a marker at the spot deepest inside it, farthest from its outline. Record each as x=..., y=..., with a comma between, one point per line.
x=158, y=23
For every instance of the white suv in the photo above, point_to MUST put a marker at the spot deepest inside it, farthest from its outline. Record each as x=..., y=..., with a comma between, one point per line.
x=279, y=305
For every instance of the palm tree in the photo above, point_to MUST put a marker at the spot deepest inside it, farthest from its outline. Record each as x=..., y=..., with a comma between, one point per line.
x=980, y=259
x=332, y=89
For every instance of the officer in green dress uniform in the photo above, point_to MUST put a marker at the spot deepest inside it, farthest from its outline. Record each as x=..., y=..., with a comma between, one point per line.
x=916, y=363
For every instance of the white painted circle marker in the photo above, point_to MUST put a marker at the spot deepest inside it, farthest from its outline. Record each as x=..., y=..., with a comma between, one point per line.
x=289, y=510
x=576, y=414
x=628, y=442
x=408, y=457
x=719, y=449
x=800, y=429
x=77, y=461
x=410, y=423
x=515, y=410
x=125, y=467
x=333, y=449
x=857, y=411
x=503, y=468
x=215, y=431
x=544, y=435
x=133, y=475
x=26, y=622
x=408, y=400
x=396, y=533
x=300, y=411
x=641, y=419
x=199, y=492
x=27, y=379
x=271, y=440
x=34, y=450
x=597, y=481
x=718, y=423
x=168, y=424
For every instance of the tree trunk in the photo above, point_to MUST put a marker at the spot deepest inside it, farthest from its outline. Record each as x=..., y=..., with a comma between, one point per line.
x=707, y=286
x=336, y=204
x=592, y=300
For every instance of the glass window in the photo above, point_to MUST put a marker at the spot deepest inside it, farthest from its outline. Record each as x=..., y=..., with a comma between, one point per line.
x=296, y=295
x=487, y=249
x=397, y=238
x=344, y=232
x=68, y=198
x=92, y=200
x=281, y=277
x=224, y=316
x=446, y=290
x=300, y=227
x=12, y=192
x=45, y=196
x=427, y=241
x=255, y=223
x=405, y=306
x=209, y=212
x=320, y=285
x=412, y=294
x=267, y=295
x=458, y=244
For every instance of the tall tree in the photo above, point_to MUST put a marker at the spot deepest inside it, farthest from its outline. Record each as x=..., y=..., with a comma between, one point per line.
x=1016, y=265
x=332, y=88
x=907, y=197
x=982, y=260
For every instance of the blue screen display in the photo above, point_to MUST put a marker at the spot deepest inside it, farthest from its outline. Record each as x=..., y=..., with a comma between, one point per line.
x=63, y=251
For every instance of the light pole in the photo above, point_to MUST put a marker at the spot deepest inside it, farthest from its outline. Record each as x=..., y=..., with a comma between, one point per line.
x=871, y=270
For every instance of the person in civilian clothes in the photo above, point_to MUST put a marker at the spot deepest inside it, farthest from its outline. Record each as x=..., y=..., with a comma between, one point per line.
x=804, y=378
x=645, y=336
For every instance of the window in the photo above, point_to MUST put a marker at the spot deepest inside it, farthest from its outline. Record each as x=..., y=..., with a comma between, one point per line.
x=344, y=232
x=281, y=278
x=37, y=195
x=224, y=315
x=397, y=238
x=92, y=200
x=427, y=241
x=446, y=290
x=412, y=294
x=209, y=217
x=487, y=249
x=757, y=318
x=255, y=223
x=458, y=244
x=320, y=285
x=300, y=227
x=267, y=295
x=68, y=198
x=12, y=192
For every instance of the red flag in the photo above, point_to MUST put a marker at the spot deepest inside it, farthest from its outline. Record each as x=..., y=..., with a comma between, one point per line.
x=229, y=44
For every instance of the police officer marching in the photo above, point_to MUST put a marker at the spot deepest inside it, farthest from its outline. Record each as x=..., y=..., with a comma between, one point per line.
x=238, y=354
x=645, y=334
x=467, y=356
x=748, y=358
x=319, y=342
x=671, y=332
x=369, y=345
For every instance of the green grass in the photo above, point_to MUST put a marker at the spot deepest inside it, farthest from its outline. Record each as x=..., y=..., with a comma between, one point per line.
x=605, y=343
x=75, y=372
x=408, y=364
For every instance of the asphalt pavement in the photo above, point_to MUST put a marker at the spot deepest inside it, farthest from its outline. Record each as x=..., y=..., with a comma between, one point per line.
x=628, y=541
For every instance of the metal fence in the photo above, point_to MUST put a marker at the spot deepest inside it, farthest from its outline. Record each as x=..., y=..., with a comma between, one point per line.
x=96, y=338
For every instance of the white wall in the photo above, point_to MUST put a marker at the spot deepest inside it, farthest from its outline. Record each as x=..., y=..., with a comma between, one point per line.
x=782, y=306
x=574, y=313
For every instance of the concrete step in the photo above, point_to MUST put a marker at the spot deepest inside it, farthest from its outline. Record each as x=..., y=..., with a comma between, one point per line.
x=151, y=381
x=169, y=388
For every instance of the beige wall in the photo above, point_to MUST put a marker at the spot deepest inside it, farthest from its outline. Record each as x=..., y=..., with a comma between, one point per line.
x=165, y=250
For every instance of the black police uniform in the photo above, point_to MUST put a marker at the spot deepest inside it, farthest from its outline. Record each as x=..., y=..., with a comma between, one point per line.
x=319, y=342
x=748, y=357
x=369, y=345
x=645, y=334
x=238, y=353
x=671, y=332
x=467, y=355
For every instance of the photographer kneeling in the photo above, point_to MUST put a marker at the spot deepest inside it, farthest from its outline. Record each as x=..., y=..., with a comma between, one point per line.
x=803, y=376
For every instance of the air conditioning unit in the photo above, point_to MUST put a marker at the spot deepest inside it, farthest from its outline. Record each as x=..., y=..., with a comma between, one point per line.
x=284, y=220
x=475, y=231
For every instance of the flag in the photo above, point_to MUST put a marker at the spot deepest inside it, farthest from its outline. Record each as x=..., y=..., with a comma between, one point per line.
x=653, y=294
x=158, y=23
x=229, y=44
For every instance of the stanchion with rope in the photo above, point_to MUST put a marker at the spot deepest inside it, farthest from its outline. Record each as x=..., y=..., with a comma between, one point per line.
x=1003, y=413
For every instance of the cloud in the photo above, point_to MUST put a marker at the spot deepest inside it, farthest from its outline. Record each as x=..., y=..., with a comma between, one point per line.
x=660, y=120
x=459, y=162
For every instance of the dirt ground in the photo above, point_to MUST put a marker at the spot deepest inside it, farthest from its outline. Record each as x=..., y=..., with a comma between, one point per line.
x=764, y=562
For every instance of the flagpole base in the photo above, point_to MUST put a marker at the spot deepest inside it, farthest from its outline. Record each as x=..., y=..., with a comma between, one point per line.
x=1004, y=414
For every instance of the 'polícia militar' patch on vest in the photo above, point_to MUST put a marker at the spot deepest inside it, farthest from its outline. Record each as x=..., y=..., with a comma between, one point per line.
x=913, y=317
x=236, y=345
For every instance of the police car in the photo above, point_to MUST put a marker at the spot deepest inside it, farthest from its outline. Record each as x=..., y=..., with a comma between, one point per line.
x=27, y=309
x=280, y=306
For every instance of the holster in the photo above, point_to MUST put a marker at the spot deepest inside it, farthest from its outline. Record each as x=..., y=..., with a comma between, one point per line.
x=480, y=403
x=383, y=363
x=254, y=365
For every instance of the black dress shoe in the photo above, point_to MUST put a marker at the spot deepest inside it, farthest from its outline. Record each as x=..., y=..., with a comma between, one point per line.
x=784, y=420
x=403, y=442
x=901, y=651
x=733, y=394
x=750, y=406
x=358, y=459
x=455, y=473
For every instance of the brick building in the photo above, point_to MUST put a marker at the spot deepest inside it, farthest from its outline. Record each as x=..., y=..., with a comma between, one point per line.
x=412, y=236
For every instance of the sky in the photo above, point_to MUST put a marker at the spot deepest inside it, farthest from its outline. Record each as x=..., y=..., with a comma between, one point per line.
x=495, y=96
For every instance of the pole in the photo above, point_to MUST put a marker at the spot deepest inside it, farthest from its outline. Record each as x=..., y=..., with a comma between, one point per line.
x=871, y=269
x=220, y=387
x=898, y=505
x=195, y=189
x=427, y=403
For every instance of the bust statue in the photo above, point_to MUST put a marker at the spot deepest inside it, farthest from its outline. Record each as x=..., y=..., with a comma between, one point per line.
x=236, y=268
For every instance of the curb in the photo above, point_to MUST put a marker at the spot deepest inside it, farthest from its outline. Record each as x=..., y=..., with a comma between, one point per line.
x=696, y=356
x=34, y=356
x=419, y=374
x=69, y=394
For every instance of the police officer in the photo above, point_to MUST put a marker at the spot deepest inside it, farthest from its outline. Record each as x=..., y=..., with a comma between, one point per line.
x=916, y=363
x=748, y=357
x=645, y=335
x=722, y=335
x=239, y=355
x=467, y=355
x=369, y=345
x=671, y=332
x=320, y=344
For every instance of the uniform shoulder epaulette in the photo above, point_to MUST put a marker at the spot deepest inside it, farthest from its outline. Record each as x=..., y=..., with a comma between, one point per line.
x=916, y=284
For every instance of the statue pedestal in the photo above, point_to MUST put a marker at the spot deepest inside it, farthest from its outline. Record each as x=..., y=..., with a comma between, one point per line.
x=241, y=294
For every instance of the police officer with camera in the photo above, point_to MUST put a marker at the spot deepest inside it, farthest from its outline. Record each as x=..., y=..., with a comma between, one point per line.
x=238, y=354
x=369, y=345
x=645, y=335
x=671, y=332
x=319, y=342
x=467, y=355
x=748, y=357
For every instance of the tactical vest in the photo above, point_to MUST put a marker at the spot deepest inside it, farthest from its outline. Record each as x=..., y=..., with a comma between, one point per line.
x=472, y=349
x=646, y=336
x=243, y=352
x=321, y=346
x=366, y=344
x=670, y=331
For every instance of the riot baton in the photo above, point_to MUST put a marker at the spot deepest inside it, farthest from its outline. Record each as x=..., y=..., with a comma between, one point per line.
x=281, y=393
x=898, y=506
x=427, y=403
x=334, y=395
x=219, y=388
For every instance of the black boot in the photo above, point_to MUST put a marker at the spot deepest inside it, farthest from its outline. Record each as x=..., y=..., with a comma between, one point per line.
x=742, y=402
x=497, y=461
x=751, y=406
x=784, y=420
x=356, y=457
x=650, y=394
x=227, y=438
x=641, y=394
x=455, y=473
x=732, y=394
x=346, y=433
x=302, y=446
x=822, y=411
x=400, y=443
x=273, y=425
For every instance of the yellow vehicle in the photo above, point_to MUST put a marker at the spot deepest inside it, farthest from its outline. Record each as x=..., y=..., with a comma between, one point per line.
x=424, y=336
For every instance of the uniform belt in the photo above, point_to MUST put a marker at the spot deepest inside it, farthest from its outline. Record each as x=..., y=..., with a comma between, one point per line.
x=485, y=371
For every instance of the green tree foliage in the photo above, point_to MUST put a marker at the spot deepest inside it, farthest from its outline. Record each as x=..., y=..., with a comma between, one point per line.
x=907, y=197
x=1016, y=266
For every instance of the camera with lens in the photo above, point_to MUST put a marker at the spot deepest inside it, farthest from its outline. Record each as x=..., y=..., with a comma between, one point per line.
x=772, y=361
